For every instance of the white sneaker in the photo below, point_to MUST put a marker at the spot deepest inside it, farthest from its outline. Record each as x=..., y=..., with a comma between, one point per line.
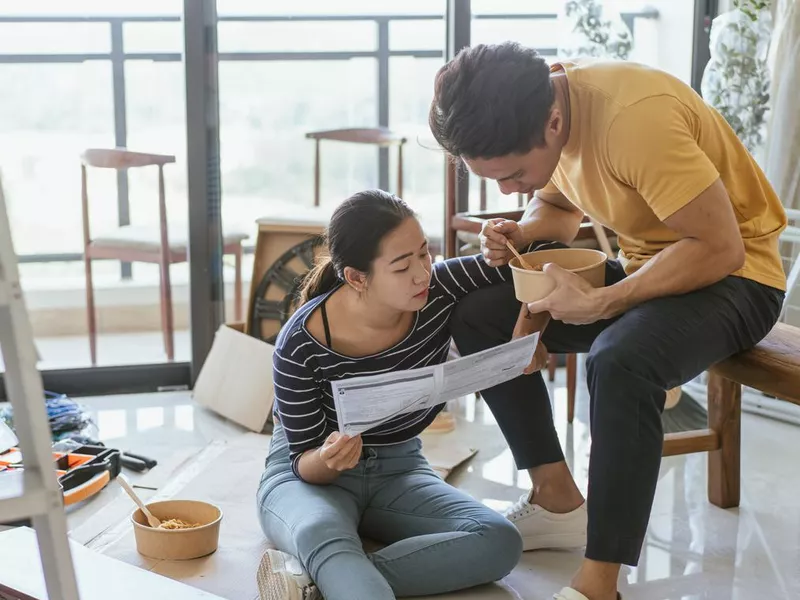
x=541, y=528
x=569, y=594
x=281, y=577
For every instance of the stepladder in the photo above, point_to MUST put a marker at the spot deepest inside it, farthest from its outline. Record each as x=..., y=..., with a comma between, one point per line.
x=34, y=493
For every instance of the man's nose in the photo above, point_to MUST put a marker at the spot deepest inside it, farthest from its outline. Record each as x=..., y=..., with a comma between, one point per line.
x=508, y=187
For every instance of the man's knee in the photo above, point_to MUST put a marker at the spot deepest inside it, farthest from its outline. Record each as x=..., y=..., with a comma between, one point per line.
x=470, y=308
x=624, y=374
x=606, y=359
x=485, y=311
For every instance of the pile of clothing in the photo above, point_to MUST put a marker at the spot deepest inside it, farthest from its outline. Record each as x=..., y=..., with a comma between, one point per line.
x=67, y=418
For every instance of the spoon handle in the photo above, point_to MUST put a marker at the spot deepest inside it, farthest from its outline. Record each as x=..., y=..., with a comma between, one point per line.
x=135, y=497
x=522, y=261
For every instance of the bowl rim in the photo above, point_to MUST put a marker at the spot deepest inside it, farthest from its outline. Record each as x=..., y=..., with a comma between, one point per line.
x=598, y=253
x=171, y=531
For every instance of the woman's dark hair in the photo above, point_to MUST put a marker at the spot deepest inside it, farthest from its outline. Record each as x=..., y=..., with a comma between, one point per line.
x=491, y=101
x=353, y=238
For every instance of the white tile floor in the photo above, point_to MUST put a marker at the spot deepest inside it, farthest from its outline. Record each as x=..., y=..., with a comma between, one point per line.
x=693, y=549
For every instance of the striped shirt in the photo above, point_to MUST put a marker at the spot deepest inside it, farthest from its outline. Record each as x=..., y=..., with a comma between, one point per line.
x=304, y=368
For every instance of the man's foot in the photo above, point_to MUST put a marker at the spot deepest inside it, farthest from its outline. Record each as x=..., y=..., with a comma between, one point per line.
x=281, y=577
x=570, y=594
x=541, y=528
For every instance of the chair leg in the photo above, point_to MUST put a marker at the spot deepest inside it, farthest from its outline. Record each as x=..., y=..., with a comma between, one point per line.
x=572, y=377
x=237, y=289
x=167, y=323
x=552, y=364
x=725, y=418
x=91, y=316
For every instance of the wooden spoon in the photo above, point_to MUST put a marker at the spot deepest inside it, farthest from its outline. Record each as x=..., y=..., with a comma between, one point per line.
x=522, y=261
x=153, y=521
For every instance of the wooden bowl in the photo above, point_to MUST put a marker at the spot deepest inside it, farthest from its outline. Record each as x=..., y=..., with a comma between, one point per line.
x=178, y=544
x=531, y=286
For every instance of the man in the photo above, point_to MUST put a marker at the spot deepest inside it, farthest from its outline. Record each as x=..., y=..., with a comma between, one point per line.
x=699, y=275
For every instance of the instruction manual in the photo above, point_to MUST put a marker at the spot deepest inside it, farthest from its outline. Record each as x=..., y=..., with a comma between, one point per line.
x=365, y=402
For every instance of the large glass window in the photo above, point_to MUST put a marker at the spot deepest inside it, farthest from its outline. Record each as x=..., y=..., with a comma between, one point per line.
x=94, y=74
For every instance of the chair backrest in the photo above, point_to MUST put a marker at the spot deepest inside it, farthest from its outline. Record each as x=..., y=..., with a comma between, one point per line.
x=377, y=136
x=121, y=158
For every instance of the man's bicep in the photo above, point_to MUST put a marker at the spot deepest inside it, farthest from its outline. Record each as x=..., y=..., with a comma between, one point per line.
x=666, y=166
x=708, y=217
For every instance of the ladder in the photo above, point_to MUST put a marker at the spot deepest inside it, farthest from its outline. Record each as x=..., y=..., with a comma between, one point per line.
x=34, y=493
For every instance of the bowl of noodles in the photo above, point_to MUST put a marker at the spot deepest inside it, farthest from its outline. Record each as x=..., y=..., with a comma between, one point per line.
x=533, y=285
x=189, y=529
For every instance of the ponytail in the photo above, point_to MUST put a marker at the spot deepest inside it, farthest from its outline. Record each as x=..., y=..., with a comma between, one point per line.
x=320, y=280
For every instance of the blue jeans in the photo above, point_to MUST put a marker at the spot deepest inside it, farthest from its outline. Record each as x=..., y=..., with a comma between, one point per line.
x=439, y=538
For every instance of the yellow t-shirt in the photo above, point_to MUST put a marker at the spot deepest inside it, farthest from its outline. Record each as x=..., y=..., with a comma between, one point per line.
x=642, y=145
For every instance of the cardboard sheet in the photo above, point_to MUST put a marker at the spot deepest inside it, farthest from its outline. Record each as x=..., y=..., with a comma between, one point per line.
x=227, y=474
x=236, y=379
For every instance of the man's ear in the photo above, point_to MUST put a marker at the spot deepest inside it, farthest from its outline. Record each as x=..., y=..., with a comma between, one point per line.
x=355, y=279
x=556, y=122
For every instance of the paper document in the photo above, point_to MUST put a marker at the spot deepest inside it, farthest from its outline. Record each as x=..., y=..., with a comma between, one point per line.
x=365, y=402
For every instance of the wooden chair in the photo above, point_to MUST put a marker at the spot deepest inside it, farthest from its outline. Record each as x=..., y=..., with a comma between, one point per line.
x=160, y=245
x=377, y=136
x=589, y=234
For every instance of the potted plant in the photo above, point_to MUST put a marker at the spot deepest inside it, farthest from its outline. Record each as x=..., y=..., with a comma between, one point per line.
x=736, y=80
x=592, y=35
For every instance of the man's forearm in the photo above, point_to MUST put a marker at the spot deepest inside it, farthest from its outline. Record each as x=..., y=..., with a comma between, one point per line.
x=685, y=266
x=542, y=221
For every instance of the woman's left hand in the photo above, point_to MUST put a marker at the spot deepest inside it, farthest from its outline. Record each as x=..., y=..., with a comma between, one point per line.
x=573, y=301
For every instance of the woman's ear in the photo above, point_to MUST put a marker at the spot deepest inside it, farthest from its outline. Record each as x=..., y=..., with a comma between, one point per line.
x=355, y=279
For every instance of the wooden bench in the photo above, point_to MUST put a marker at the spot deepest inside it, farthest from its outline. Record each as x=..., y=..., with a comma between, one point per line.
x=772, y=367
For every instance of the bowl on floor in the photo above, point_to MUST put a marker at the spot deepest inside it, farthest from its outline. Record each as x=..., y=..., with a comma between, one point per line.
x=178, y=544
x=530, y=286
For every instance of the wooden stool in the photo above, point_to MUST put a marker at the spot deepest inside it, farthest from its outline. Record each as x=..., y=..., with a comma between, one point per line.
x=772, y=367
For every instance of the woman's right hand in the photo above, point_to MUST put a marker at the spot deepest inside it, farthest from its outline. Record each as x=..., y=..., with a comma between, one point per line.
x=527, y=324
x=494, y=234
x=341, y=452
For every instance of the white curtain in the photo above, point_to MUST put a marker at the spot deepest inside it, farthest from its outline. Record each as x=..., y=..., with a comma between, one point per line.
x=782, y=149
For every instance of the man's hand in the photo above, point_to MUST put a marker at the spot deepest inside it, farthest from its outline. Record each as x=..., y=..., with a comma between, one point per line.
x=494, y=234
x=341, y=452
x=573, y=301
x=527, y=324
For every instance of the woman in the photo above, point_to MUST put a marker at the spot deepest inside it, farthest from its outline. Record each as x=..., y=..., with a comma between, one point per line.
x=376, y=305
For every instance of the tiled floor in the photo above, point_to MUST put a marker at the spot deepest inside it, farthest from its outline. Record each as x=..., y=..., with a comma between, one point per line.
x=693, y=549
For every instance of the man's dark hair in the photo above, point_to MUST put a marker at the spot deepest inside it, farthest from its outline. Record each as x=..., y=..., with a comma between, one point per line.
x=491, y=100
